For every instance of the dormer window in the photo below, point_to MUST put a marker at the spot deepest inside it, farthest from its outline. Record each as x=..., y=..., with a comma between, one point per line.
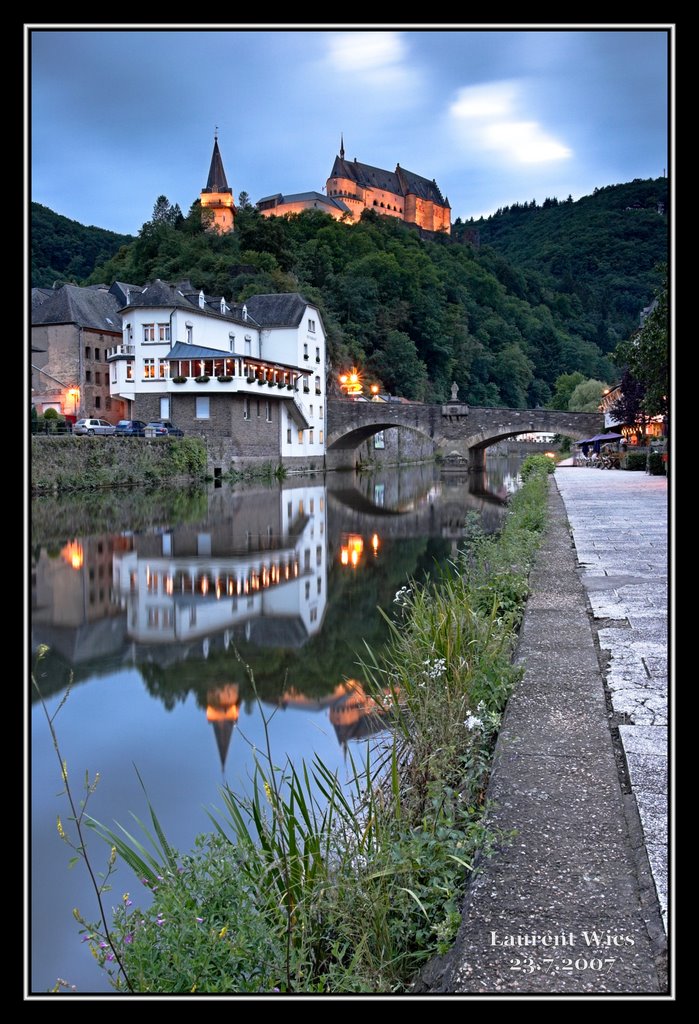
x=201, y=300
x=224, y=307
x=245, y=312
x=190, y=333
x=231, y=341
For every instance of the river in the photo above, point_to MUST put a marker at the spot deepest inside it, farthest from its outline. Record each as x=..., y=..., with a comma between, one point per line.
x=159, y=606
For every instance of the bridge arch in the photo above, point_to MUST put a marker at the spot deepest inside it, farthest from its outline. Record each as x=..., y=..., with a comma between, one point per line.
x=451, y=427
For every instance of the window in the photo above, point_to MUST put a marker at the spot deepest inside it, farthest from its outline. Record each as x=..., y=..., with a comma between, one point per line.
x=379, y=440
x=320, y=437
x=317, y=385
x=310, y=411
x=308, y=590
x=306, y=385
x=258, y=407
x=311, y=326
x=129, y=371
x=320, y=412
x=288, y=435
x=319, y=554
x=164, y=412
x=300, y=437
x=310, y=435
x=149, y=369
x=248, y=345
x=98, y=402
x=190, y=334
x=162, y=369
x=268, y=411
x=317, y=353
x=98, y=377
x=149, y=332
x=314, y=614
x=305, y=350
x=246, y=408
x=88, y=352
x=163, y=332
x=319, y=585
x=201, y=411
x=88, y=376
x=114, y=373
x=289, y=511
x=97, y=354
x=231, y=342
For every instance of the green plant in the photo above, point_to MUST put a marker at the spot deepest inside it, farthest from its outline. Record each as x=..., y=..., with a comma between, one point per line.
x=224, y=378
x=179, y=380
x=656, y=465
x=52, y=414
x=536, y=464
x=634, y=461
x=203, y=378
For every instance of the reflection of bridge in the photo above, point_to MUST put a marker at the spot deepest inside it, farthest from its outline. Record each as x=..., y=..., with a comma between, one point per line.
x=451, y=427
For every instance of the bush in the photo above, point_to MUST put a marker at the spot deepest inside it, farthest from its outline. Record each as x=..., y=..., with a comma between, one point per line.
x=536, y=464
x=656, y=465
x=635, y=461
x=51, y=414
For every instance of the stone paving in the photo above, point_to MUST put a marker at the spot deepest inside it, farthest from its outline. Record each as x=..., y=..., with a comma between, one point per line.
x=619, y=522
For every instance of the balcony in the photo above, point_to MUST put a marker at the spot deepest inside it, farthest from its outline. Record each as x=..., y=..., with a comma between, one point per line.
x=120, y=352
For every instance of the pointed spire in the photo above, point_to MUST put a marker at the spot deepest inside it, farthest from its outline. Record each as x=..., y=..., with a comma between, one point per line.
x=342, y=145
x=217, y=176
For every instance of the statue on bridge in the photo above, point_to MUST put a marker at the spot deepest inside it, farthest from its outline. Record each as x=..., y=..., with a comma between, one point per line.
x=454, y=391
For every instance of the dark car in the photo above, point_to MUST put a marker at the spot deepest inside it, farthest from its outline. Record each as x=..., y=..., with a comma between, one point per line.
x=162, y=428
x=130, y=428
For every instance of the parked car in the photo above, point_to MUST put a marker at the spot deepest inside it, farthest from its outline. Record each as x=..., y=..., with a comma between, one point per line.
x=163, y=427
x=93, y=426
x=130, y=428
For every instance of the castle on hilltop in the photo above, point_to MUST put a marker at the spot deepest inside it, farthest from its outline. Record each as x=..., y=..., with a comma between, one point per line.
x=351, y=188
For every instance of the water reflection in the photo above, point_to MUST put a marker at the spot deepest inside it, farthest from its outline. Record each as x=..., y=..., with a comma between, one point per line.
x=163, y=609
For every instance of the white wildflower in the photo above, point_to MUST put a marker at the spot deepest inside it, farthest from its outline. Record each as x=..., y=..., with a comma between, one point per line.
x=473, y=722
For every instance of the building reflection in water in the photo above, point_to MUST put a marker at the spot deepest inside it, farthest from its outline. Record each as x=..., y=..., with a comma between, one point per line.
x=252, y=569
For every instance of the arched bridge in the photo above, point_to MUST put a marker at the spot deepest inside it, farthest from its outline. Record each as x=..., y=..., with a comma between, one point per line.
x=455, y=426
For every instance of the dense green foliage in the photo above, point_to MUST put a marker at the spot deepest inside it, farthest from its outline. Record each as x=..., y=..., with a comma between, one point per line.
x=593, y=262
x=646, y=357
x=310, y=887
x=536, y=464
x=64, y=250
x=546, y=291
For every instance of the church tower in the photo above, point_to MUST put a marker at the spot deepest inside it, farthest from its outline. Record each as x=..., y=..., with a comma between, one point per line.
x=217, y=196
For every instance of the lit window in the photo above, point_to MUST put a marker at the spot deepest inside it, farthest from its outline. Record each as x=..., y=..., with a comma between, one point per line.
x=300, y=437
x=129, y=371
x=320, y=437
x=149, y=332
x=162, y=369
x=201, y=408
x=163, y=332
x=149, y=369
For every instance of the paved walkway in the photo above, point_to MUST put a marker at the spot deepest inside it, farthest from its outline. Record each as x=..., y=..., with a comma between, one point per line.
x=619, y=524
x=564, y=905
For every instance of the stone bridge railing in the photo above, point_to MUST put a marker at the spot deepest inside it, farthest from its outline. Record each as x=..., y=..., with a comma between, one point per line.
x=453, y=427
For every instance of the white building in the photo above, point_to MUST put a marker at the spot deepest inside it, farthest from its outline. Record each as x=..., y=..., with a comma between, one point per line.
x=250, y=375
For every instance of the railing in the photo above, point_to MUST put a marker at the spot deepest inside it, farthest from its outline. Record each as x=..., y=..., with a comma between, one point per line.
x=50, y=427
x=121, y=352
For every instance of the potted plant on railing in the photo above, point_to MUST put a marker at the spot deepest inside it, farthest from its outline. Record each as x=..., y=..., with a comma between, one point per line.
x=271, y=383
x=261, y=381
x=290, y=387
x=224, y=378
x=250, y=378
x=179, y=379
x=203, y=378
x=281, y=384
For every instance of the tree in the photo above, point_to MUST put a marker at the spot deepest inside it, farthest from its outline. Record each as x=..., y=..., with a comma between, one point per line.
x=244, y=201
x=646, y=355
x=564, y=387
x=587, y=396
x=400, y=368
x=628, y=408
x=164, y=213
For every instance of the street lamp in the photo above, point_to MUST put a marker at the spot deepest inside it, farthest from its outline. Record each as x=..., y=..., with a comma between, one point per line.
x=351, y=382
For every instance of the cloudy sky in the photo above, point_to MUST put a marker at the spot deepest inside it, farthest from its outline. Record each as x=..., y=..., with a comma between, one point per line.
x=117, y=116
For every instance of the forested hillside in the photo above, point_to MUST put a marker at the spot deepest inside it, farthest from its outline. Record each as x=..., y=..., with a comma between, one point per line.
x=599, y=254
x=502, y=315
x=64, y=250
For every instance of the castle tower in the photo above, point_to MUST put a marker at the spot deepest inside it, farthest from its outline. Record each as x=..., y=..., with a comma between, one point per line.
x=217, y=196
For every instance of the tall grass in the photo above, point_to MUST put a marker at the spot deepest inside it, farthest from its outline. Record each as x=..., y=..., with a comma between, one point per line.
x=310, y=885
